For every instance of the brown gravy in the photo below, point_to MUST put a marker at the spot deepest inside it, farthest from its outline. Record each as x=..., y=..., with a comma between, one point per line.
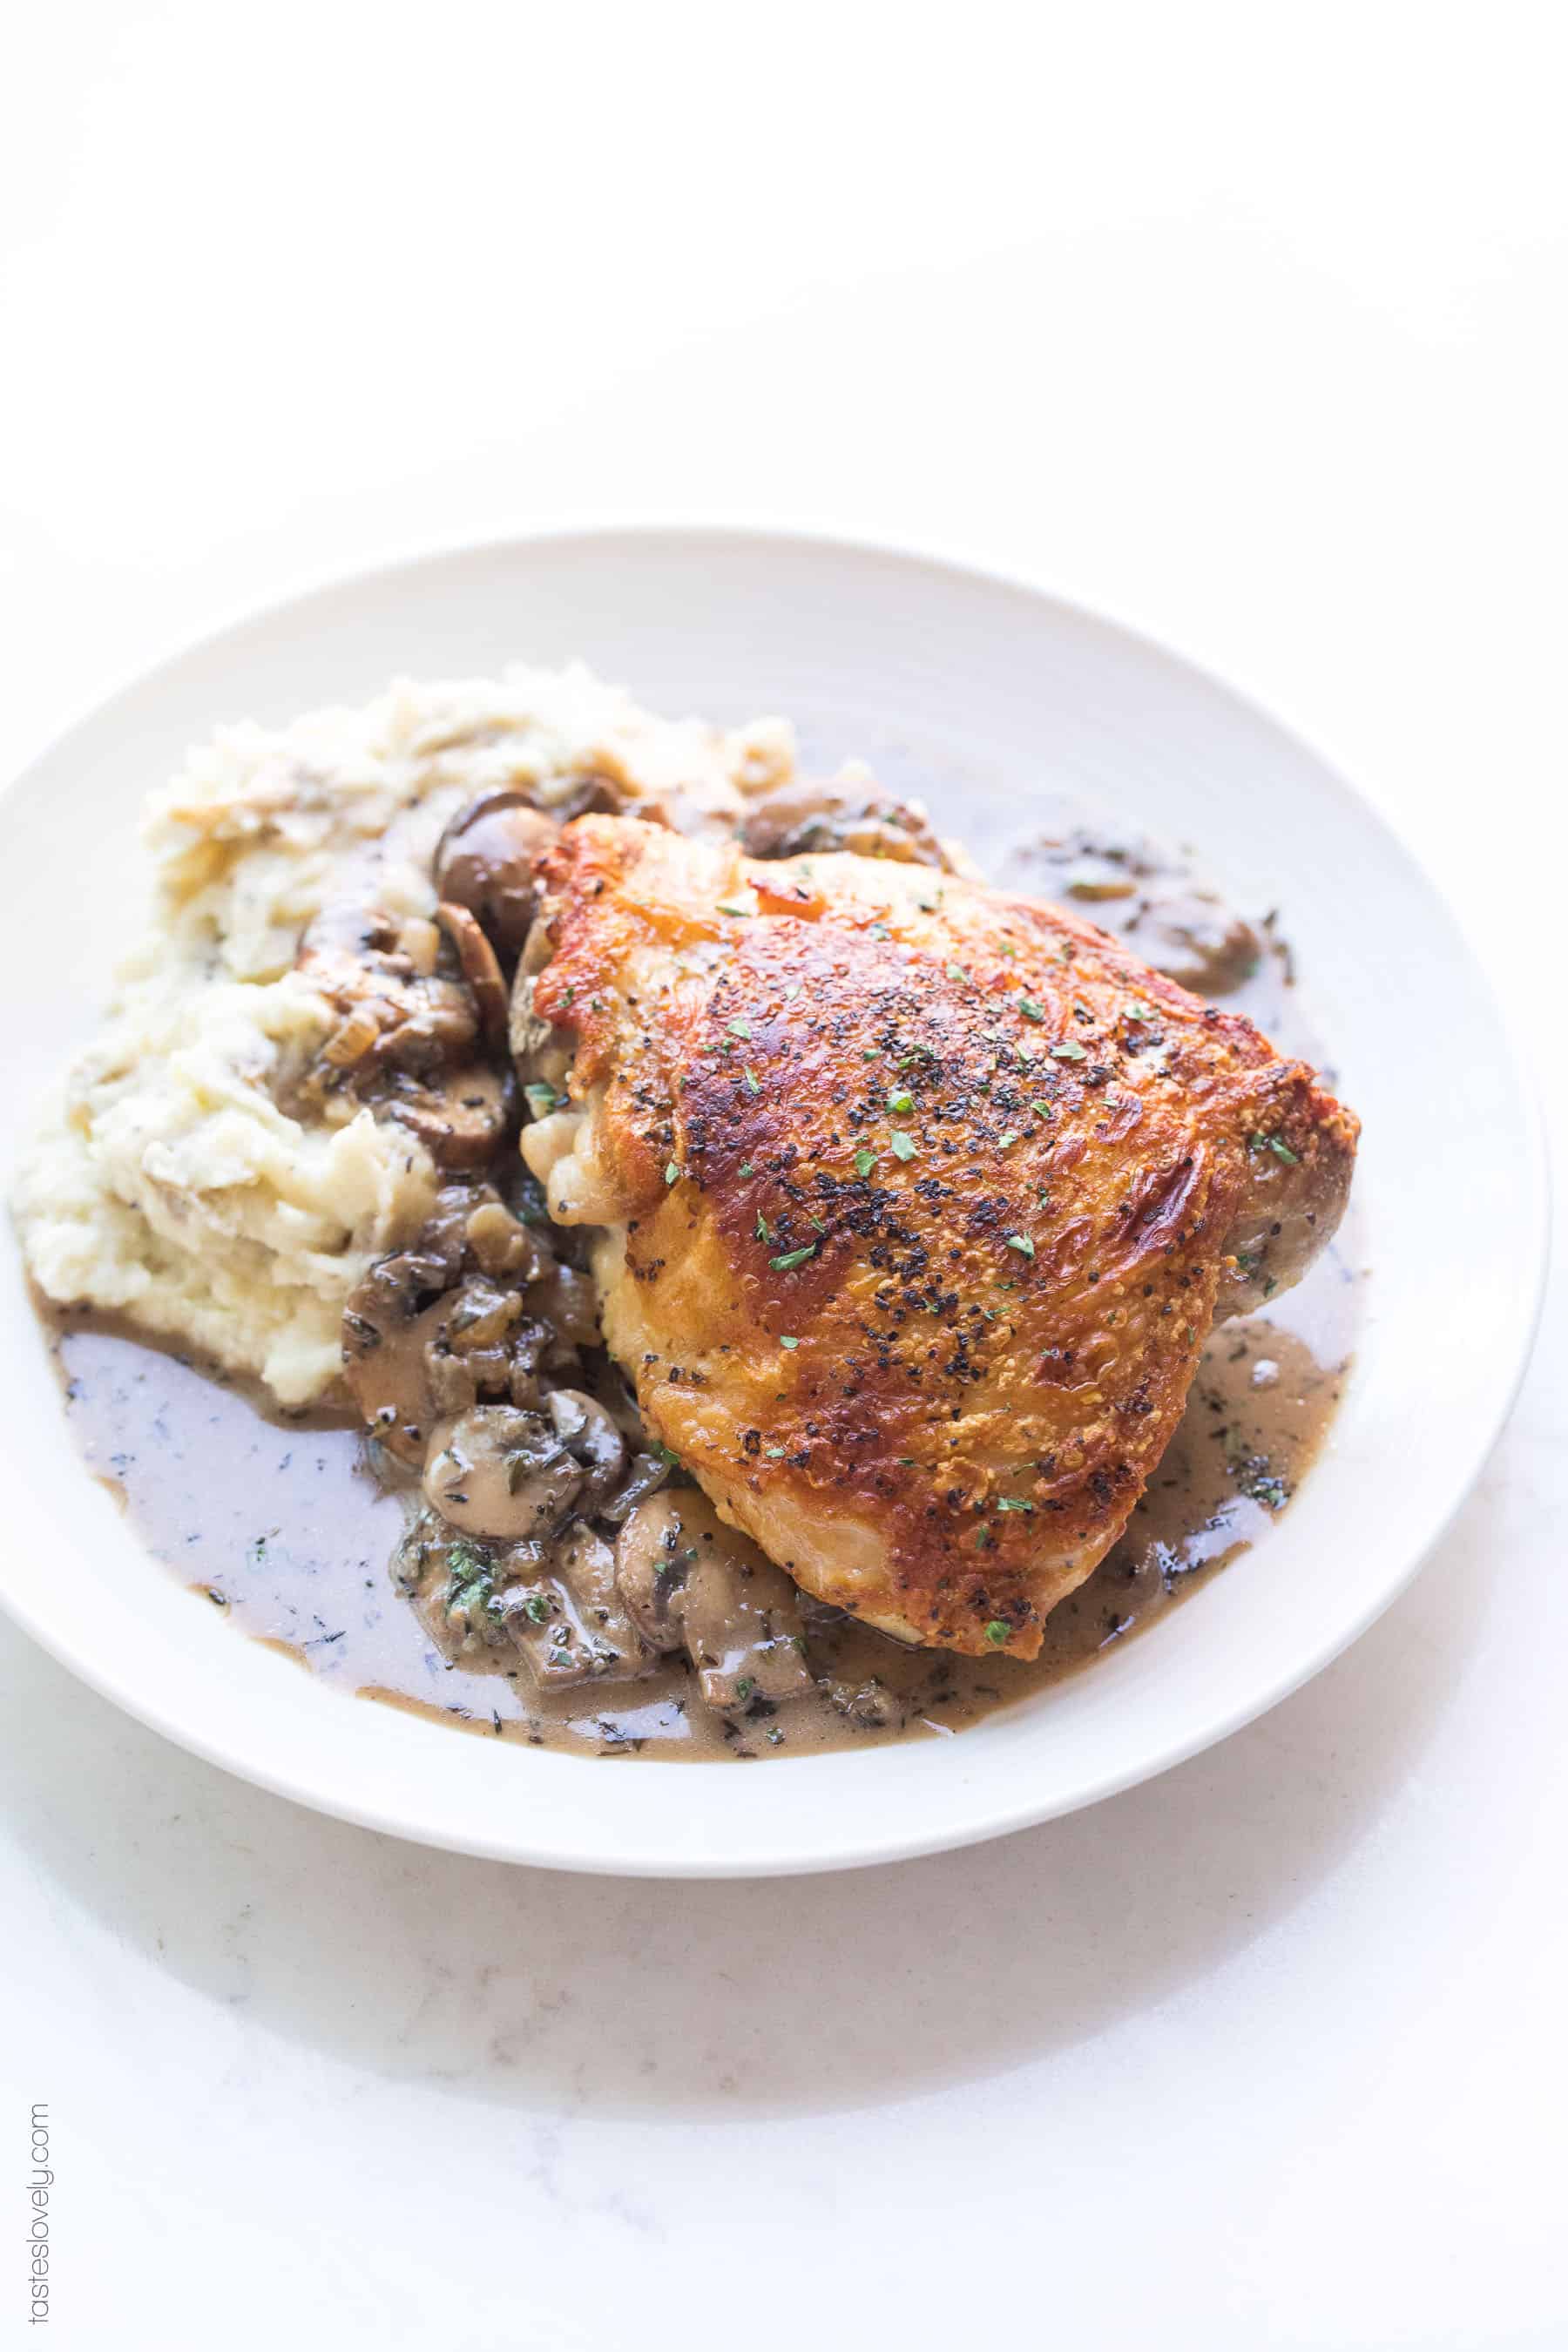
x=282, y=1524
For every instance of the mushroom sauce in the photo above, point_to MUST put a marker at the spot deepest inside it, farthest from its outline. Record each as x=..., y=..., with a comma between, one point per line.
x=624, y=1619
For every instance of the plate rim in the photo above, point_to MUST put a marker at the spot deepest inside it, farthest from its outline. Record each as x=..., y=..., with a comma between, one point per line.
x=902, y=1841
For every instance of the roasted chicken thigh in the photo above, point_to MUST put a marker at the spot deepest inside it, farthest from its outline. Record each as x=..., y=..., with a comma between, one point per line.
x=917, y=1201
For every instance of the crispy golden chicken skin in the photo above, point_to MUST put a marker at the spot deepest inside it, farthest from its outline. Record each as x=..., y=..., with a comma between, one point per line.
x=918, y=1199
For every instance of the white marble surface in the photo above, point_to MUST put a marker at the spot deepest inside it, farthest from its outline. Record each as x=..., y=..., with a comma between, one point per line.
x=1249, y=332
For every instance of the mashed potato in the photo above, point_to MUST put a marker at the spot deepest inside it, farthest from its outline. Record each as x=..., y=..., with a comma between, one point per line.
x=168, y=1179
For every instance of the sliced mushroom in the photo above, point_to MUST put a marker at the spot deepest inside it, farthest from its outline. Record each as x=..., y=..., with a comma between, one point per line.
x=531, y=1341
x=844, y=814
x=570, y=1625
x=689, y=1582
x=413, y=1001
x=570, y=1305
x=426, y=1336
x=498, y=1472
x=484, y=862
x=1193, y=937
x=588, y=792
x=481, y=970
x=470, y=1343
x=594, y=1441
x=444, y=1233
x=645, y=1476
x=500, y=1242
x=397, y=1011
x=383, y=1349
x=453, y=1584
x=463, y=1121
x=1151, y=898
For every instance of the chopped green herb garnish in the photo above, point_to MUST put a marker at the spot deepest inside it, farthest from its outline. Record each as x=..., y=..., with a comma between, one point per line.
x=727, y=908
x=739, y=1028
x=672, y=1173
x=864, y=1163
x=998, y=1631
x=536, y=1607
x=1013, y=1503
x=903, y=1149
x=764, y=1232
x=1044, y=1109
x=472, y=1588
x=1068, y=1053
x=747, y=1169
x=750, y=1076
x=542, y=1100
x=901, y=1102
x=1260, y=1483
x=956, y=972
x=745, y=1688
x=1278, y=1147
x=793, y=1258
x=1021, y=1244
x=775, y=1453
x=1029, y=1009
x=789, y=1343
x=1007, y=1141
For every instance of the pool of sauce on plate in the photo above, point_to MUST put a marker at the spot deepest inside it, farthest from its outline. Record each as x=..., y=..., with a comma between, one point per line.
x=280, y=1522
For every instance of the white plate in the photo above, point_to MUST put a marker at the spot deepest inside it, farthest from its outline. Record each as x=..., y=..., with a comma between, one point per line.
x=970, y=676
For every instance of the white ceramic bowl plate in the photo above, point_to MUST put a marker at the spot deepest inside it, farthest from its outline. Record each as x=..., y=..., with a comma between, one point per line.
x=933, y=668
